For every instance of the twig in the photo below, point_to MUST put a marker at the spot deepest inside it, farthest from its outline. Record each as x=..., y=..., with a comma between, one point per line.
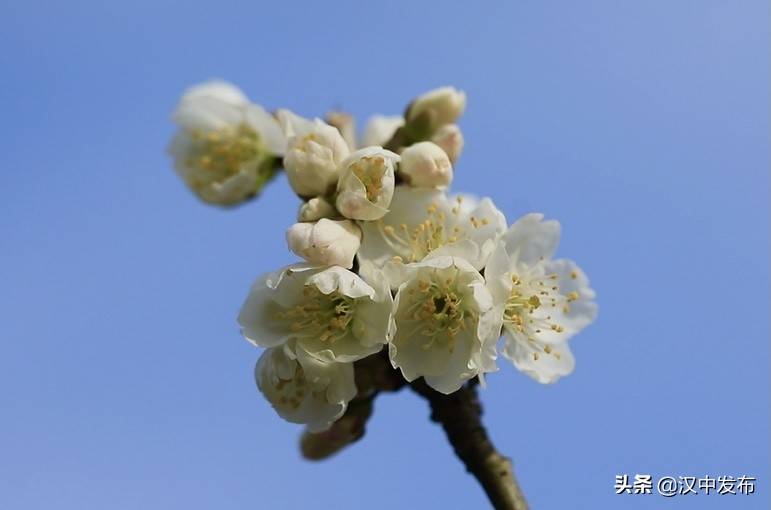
x=460, y=415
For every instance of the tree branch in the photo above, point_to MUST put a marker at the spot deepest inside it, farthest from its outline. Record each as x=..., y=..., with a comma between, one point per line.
x=460, y=415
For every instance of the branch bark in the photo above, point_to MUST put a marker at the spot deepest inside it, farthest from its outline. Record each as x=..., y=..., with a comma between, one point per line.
x=460, y=415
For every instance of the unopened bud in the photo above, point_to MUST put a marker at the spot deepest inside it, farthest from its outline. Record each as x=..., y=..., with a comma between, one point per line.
x=437, y=107
x=366, y=184
x=426, y=165
x=315, y=209
x=326, y=242
x=315, y=150
x=450, y=139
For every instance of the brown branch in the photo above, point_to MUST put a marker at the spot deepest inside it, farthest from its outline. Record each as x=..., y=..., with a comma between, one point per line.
x=460, y=415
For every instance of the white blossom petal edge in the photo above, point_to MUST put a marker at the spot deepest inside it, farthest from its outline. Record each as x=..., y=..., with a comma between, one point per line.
x=543, y=302
x=304, y=389
x=330, y=312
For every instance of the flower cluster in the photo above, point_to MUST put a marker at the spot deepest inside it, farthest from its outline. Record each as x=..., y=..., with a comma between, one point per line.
x=390, y=259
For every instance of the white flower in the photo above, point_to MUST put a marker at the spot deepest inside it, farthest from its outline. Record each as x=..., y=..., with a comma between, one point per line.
x=304, y=389
x=226, y=146
x=446, y=327
x=326, y=242
x=380, y=129
x=543, y=302
x=425, y=221
x=315, y=209
x=437, y=107
x=366, y=184
x=314, y=153
x=450, y=139
x=331, y=312
x=426, y=165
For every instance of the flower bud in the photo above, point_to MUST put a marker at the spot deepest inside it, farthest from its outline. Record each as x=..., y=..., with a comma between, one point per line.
x=426, y=165
x=314, y=152
x=450, y=139
x=326, y=242
x=366, y=184
x=437, y=108
x=315, y=209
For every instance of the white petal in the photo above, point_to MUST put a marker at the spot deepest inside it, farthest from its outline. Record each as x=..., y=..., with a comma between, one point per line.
x=408, y=207
x=380, y=129
x=206, y=114
x=342, y=280
x=232, y=190
x=531, y=358
x=456, y=370
x=465, y=249
x=483, y=224
x=179, y=148
x=530, y=239
x=292, y=124
x=303, y=389
x=268, y=128
x=257, y=316
x=489, y=333
x=217, y=89
x=338, y=377
x=498, y=274
x=581, y=312
x=452, y=221
x=289, y=283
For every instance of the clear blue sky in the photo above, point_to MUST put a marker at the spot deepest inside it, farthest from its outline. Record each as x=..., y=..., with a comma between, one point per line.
x=642, y=126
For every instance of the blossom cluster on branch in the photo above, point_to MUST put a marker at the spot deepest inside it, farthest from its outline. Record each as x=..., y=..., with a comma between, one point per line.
x=390, y=259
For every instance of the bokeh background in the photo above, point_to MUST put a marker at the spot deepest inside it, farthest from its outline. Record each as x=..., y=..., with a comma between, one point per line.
x=642, y=126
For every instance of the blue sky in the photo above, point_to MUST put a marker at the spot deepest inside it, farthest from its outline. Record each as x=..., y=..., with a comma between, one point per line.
x=642, y=126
